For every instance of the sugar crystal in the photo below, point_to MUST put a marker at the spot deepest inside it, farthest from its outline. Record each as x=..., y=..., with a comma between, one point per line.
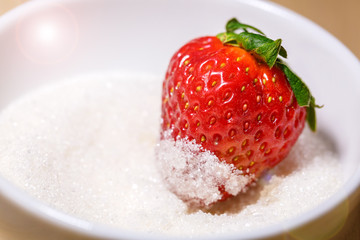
x=195, y=174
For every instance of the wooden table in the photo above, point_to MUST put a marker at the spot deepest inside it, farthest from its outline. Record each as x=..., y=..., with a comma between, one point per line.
x=340, y=18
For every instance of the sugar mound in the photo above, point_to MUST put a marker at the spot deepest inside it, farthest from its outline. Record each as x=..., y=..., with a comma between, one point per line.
x=195, y=174
x=86, y=147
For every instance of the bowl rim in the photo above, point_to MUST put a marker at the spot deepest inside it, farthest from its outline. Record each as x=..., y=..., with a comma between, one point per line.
x=56, y=218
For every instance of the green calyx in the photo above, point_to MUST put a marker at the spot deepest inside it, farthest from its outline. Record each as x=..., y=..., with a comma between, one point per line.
x=268, y=51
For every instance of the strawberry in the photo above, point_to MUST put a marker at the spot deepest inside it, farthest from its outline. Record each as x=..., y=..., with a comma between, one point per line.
x=234, y=97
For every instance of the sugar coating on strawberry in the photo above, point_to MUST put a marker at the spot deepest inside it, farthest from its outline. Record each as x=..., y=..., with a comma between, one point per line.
x=230, y=110
x=195, y=174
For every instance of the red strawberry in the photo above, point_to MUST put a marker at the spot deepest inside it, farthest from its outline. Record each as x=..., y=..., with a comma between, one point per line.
x=234, y=97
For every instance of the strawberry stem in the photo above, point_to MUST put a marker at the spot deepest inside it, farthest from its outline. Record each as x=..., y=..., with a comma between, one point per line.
x=268, y=51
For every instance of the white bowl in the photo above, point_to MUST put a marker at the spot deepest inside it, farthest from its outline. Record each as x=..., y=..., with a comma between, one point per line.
x=141, y=36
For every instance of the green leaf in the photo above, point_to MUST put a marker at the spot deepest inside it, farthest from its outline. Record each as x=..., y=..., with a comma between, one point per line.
x=311, y=114
x=228, y=38
x=283, y=52
x=233, y=24
x=302, y=94
x=265, y=48
x=269, y=51
x=301, y=91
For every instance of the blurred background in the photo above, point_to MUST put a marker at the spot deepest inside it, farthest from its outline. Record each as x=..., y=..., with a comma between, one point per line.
x=341, y=18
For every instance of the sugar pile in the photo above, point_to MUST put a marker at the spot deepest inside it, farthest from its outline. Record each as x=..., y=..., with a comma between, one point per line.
x=195, y=174
x=87, y=147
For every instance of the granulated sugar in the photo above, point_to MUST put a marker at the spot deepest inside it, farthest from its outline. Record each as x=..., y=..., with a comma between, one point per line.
x=195, y=174
x=87, y=148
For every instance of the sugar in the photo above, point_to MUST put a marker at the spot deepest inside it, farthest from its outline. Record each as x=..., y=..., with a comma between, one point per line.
x=86, y=147
x=194, y=174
